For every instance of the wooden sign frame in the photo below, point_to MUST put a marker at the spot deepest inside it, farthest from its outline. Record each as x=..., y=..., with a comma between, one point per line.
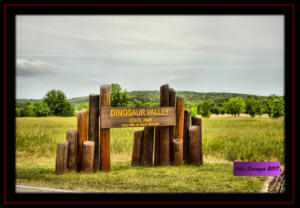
x=119, y=117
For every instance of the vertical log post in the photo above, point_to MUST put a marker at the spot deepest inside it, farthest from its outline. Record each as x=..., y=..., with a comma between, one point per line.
x=72, y=150
x=94, y=126
x=164, y=130
x=194, y=144
x=177, y=151
x=197, y=121
x=148, y=146
x=187, y=121
x=61, y=157
x=104, y=133
x=82, y=135
x=157, y=149
x=137, y=149
x=179, y=117
x=88, y=156
x=172, y=95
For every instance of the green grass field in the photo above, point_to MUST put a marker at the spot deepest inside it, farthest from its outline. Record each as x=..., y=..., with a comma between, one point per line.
x=224, y=139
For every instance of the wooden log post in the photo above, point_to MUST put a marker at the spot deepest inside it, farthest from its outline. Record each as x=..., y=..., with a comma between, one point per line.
x=194, y=146
x=197, y=121
x=177, y=151
x=61, y=157
x=179, y=117
x=137, y=150
x=164, y=130
x=72, y=150
x=82, y=135
x=94, y=126
x=187, y=121
x=104, y=132
x=156, y=148
x=172, y=95
x=147, y=158
x=88, y=156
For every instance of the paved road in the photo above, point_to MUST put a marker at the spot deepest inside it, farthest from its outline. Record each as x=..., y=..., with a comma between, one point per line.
x=36, y=189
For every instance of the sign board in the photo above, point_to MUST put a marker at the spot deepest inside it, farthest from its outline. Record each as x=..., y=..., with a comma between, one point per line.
x=117, y=117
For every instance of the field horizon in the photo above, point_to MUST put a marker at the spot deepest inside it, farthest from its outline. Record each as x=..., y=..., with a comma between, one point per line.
x=191, y=97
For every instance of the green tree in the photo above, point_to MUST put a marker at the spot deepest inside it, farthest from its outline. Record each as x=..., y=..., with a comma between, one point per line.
x=22, y=108
x=234, y=106
x=117, y=97
x=204, y=108
x=215, y=109
x=82, y=106
x=193, y=111
x=68, y=109
x=29, y=109
x=41, y=109
x=222, y=110
x=58, y=103
x=254, y=106
x=274, y=106
x=18, y=112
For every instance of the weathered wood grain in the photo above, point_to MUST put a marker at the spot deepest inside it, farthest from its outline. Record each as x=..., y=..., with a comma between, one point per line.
x=118, y=117
x=156, y=148
x=187, y=122
x=61, y=157
x=179, y=117
x=172, y=99
x=72, y=150
x=94, y=126
x=197, y=121
x=177, y=151
x=88, y=156
x=164, y=130
x=104, y=132
x=82, y=135
x=137, y=150
x=194, y=146
x=148, y=146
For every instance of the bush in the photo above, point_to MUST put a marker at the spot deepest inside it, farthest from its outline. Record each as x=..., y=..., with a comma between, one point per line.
x=204, y=108
x=234, y=106
x=274, y=106
x=254, y=106
x=41, y=109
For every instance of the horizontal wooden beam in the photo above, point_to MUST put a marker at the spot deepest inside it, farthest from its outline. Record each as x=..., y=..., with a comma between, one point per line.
x=117, y=117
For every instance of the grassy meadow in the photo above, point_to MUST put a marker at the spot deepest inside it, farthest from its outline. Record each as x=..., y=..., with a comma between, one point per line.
x=225, y=139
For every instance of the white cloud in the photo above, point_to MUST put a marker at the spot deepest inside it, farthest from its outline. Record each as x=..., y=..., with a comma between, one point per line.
x=36, y=68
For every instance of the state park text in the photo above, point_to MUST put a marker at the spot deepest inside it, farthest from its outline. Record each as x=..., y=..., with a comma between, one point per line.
x=116, y=117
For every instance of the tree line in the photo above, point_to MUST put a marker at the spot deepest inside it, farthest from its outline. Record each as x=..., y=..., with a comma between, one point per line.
x=55, y=103
x=251, y=105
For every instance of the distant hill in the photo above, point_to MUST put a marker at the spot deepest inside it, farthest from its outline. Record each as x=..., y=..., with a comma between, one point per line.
x=153, y=96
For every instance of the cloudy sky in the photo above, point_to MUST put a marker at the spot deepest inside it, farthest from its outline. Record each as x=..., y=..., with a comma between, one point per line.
x=78, y=54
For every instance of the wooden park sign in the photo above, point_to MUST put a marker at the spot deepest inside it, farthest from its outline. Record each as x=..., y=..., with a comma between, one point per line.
x=174, y=137
x=118, y=117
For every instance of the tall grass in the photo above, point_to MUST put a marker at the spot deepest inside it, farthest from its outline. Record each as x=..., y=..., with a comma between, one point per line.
x=224, y=138
x=244, y=138
x=227, y=138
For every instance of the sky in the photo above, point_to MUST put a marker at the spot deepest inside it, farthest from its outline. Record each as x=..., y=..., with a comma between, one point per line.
x=201, y=53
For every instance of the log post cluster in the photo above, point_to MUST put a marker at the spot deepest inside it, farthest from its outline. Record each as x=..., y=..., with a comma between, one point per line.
x=173, y=144
x=82, y=150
